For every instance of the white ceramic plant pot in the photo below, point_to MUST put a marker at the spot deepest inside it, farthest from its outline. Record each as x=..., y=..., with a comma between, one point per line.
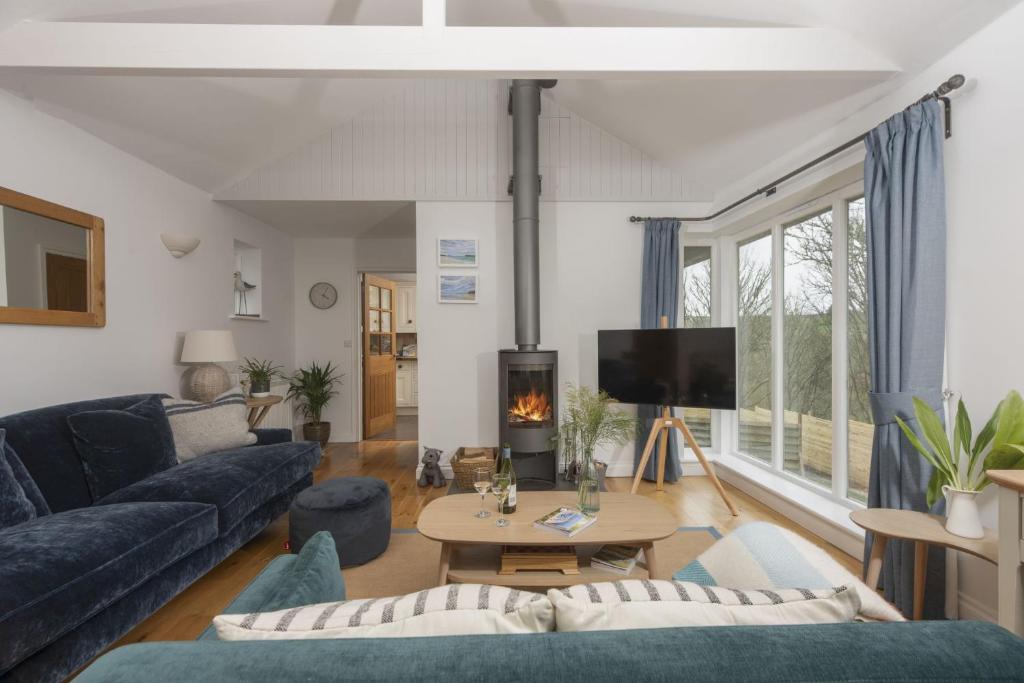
x=962, y=517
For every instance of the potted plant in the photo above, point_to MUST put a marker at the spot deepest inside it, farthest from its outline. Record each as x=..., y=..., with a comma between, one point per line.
x=591, y=419
x=260, y=374
x=313, y=388
x=961, y=475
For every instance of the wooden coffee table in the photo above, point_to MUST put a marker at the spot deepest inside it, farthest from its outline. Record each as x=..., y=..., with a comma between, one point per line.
x=471, y=547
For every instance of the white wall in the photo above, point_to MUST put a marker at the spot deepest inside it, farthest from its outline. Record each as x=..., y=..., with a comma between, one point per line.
x=333, y=334
x=152, y=298
x=984, y=174
x=590, y=263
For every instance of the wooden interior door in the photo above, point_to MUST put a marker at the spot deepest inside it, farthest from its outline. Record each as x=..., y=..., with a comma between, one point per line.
x=379, y=377
x=66, y=283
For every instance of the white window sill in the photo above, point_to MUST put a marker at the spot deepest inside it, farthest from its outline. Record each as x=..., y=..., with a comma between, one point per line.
x=249, y=318
x=814, y=510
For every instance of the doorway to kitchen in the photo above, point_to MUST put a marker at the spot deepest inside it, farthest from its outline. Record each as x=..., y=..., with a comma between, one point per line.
x=390, y=357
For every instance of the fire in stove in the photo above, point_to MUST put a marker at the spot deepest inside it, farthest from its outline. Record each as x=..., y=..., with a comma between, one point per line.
x=534, y=406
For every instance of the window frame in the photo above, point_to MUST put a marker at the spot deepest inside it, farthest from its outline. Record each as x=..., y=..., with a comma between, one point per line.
x=838, y=202
x=704, y=240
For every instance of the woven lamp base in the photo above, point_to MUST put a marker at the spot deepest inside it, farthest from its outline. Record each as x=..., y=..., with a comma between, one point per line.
x=206, y=382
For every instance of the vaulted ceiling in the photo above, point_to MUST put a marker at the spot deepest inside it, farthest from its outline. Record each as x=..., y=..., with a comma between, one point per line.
x=711, y=128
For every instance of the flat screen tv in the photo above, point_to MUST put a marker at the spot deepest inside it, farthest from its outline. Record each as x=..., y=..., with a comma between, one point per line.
x=689, y=368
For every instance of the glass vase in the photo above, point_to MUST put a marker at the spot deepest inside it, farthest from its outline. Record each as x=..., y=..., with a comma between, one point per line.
x=589, y=490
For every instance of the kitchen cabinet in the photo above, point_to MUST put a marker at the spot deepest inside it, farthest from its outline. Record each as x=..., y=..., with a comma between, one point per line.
x=406, y=307
x=406, y=384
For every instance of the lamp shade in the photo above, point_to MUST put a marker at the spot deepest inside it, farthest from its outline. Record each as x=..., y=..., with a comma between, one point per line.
x=208, y=346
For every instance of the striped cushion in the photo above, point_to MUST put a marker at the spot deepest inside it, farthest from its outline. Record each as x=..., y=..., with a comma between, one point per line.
x=456, y=609
x=764, y=555
x=663, y=604
x=201, y=428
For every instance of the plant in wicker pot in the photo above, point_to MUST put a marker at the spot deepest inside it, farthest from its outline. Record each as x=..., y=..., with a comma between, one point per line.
x=312, y=389
x=260, y=373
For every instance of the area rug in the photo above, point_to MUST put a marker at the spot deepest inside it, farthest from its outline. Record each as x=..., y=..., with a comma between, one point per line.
x=411, y=560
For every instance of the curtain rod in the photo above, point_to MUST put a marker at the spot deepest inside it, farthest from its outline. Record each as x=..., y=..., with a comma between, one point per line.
x=940, y=93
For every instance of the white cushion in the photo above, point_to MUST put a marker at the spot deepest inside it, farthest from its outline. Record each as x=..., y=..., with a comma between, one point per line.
x=763, y=555
x=201, y=428
x=456, y=609
x=664, y=604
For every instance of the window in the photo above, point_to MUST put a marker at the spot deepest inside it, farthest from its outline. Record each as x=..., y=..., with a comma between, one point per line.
x=807, y=348
x=860, y=427
x=754, y=347
x=802, y=345
x=695, y=311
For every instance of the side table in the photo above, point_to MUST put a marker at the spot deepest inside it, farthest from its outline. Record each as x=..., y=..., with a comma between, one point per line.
x=925, y=530
x=259, y=407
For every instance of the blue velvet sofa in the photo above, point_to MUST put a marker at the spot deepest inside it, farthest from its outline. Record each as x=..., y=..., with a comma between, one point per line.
x=84, y=572
x=920, y=651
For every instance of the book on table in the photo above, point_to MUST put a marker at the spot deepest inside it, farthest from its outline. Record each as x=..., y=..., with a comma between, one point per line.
x=620, y=559
x=567, y=521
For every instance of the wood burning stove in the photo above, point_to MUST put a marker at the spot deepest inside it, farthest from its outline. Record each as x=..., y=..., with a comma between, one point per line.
x=528, y=414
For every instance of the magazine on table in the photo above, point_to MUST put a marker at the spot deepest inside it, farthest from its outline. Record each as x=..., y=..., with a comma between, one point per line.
x=620, y=559
x=567, y=521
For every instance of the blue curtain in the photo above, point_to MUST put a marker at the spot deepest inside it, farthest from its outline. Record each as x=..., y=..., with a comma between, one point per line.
x=659, y=296
x=905, y=203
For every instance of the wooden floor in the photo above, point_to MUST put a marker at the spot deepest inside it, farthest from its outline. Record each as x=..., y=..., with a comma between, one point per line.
x=693, y=500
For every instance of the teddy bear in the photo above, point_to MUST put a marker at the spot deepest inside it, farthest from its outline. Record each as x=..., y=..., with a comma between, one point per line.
x=432, y=473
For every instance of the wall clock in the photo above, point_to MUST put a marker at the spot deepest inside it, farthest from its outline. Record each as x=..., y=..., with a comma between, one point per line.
x=323, y=295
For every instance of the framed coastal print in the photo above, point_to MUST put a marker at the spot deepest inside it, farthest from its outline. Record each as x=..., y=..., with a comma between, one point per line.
x=457, y=253
x=456, y=289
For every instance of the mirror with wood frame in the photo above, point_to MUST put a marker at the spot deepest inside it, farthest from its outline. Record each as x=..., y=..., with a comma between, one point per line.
x=51, y=263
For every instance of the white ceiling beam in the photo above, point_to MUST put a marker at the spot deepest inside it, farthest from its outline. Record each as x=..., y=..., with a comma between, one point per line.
x=416, y=51
x=435, y=13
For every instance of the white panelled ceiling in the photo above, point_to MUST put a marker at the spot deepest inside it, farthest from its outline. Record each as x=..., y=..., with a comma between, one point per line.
x=712, y=129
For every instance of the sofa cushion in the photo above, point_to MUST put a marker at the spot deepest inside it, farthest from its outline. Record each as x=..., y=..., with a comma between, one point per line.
x=15, y=507
x=28, y=485
x=202, y=428
x=42, y=439
x=121, y=447
x=60, y=570
x=632, y=603
x=455, y=609
x=237, y=481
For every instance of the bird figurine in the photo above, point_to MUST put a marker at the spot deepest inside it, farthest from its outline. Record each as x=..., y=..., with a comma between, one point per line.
x=241, y=286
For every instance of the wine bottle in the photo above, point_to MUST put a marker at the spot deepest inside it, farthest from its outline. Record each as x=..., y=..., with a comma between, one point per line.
x=506, y=468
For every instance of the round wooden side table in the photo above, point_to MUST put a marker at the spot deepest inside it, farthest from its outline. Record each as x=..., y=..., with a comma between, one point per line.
x=925, y=530
x=259, y=407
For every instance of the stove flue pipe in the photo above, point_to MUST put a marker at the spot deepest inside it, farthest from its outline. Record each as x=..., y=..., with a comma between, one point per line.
x=525, y=110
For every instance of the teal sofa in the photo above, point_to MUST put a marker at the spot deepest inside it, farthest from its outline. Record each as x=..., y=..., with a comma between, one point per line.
x=922, y=651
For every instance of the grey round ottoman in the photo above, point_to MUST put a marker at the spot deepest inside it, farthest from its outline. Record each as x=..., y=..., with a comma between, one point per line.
x=355, y=510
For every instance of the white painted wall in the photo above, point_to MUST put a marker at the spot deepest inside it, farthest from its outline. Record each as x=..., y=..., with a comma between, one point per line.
x=590, y=279
x=451, y=140
x=984, y=174
x=152, y=298
x=333, y=334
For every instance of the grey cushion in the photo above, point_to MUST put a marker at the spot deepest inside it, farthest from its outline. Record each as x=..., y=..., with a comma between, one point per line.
x=355, y=510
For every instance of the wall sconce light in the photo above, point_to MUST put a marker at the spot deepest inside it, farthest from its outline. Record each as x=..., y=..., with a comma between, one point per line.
x=179, y=244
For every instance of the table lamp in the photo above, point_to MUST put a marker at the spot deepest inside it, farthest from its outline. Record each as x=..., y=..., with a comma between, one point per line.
x=205, y=348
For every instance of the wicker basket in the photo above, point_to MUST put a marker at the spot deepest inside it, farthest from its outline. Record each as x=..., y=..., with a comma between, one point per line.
x=467, y=459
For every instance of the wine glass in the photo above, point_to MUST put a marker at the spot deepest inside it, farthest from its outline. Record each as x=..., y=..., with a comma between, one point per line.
x=482, y=484
x=500, y=488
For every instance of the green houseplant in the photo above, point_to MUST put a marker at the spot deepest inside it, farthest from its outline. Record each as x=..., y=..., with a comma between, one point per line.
x=312, y=388
x=260, y=373
x=961, y=463
x=590, y=419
